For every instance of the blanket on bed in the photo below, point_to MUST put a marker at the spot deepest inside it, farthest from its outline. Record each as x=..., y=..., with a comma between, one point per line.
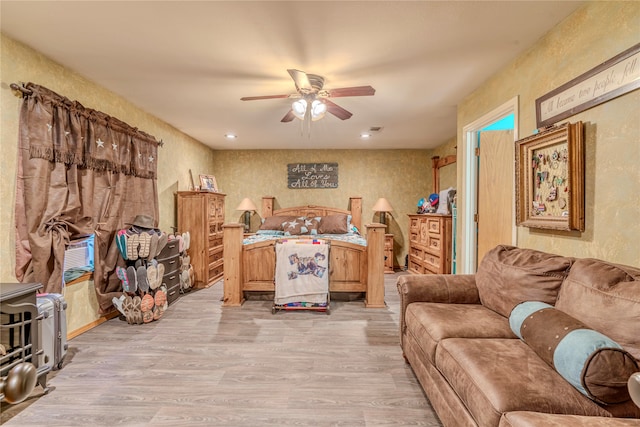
x=302, y=272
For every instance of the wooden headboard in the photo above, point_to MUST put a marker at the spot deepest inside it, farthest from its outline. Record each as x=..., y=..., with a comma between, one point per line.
x=355, y=203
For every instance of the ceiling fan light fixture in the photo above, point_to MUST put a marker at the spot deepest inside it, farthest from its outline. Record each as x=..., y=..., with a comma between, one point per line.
x=230, y=135
x=299, y=108
x=318, y=110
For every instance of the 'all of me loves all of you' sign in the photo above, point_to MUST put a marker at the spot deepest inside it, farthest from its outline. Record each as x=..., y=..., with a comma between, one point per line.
x=312, y=175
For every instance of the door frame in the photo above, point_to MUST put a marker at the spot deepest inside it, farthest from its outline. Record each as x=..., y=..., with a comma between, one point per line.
x=469, y=181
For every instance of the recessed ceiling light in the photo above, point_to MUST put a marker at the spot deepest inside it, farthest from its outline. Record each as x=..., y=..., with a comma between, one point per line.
x=230, y=136
x=365, y=135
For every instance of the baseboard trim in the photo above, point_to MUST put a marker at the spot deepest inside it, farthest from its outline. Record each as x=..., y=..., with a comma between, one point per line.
x=89, y=326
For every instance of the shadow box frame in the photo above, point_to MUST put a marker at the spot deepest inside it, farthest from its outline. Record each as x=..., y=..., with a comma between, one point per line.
x=550, y=179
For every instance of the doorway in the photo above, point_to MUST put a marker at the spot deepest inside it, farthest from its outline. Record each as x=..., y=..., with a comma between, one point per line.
x=470, y=168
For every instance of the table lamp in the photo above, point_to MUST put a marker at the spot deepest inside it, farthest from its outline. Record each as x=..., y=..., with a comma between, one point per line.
x=382, y=206
x=247, y=206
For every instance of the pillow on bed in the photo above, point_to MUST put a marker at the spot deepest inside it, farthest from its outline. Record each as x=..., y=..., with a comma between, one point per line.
x=274, y=222
x=593, y=363
x=334, y=224
x=301, y=225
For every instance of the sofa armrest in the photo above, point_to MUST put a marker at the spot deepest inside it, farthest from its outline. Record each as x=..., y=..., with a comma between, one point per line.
x=442, y=288
x=438, y=288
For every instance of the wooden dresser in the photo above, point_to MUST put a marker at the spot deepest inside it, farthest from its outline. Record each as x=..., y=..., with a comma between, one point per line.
x=202, y=214
x=430, y=244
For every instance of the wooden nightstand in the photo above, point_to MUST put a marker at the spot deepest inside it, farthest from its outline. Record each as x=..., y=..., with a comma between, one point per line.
x=388, y=253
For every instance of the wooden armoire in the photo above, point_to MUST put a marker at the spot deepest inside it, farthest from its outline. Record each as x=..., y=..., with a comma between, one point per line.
x=202, y=214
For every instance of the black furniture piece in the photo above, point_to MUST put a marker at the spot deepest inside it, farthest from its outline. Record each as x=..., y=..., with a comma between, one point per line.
x=19, y=329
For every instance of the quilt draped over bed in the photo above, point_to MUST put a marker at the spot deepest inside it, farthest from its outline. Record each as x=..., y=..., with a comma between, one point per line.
x=302, y=272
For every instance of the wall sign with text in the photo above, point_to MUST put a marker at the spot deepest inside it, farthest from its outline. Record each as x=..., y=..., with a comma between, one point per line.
x=312, y=175
x=615, y=77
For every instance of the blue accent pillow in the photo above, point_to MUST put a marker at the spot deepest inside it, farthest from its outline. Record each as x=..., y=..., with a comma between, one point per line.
x=591, y=362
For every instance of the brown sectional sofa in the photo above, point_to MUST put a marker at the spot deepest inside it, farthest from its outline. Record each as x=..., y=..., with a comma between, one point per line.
x=456, y=334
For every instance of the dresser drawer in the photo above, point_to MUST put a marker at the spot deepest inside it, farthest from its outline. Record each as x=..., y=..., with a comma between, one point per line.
x=215, y=254
x=172, y=248
x=415, y=265
x=172, y=278
x=215, y=241
x=173, y=293
x=416, y=252
x=435, y=244
x=414, y=224
x=170, y=263
x=433, y=225
x=432, y=260
x=215, y=269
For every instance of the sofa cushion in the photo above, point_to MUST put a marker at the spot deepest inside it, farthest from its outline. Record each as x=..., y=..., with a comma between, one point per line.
x=493, y=376
x=605, y=297
x=594, y=364
x=509, y=275
x=430, y=323
x=539, y=419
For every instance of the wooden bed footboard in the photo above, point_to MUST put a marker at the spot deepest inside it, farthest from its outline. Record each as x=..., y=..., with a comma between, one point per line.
x=352, y=267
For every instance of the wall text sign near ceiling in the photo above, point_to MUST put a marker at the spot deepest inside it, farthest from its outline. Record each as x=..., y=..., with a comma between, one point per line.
x=312, y=175
x=615, y=77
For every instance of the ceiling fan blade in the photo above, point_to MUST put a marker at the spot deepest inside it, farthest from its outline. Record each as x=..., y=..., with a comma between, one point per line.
x=337, y=110
x=301, y=79
x=288, y=117
x=254, y=98
x=351, y=91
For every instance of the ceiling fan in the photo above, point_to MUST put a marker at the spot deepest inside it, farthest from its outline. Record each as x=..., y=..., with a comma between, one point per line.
x=311, y=92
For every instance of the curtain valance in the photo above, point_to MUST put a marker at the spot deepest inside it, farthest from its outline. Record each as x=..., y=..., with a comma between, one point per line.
x=64, y=131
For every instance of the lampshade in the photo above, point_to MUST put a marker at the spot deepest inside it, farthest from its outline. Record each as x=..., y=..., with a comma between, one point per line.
x=299, y=108
x=382, y=205
x=318, y=110
x=246, y=205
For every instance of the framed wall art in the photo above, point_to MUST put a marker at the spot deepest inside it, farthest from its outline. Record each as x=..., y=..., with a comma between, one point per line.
x=208, y=183
x=550, y=179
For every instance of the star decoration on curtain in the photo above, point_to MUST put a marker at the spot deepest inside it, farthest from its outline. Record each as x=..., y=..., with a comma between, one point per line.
x=49, y=127
x=100, y=143
x=139, y=155
x=151, y=159
x=114, y=145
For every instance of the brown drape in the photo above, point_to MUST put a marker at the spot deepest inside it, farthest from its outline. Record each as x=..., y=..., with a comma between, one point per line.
x=80, y=172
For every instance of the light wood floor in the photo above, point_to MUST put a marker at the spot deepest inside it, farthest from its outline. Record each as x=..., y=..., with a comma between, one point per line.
x=203, y=364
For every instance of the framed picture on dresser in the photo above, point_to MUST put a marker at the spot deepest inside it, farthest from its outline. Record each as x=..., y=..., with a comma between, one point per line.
x=208, y=183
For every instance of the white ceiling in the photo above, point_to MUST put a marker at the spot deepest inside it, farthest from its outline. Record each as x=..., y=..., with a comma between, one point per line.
x=190, y=62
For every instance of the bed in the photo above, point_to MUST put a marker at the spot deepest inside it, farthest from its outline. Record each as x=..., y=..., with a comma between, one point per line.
x=355, y=266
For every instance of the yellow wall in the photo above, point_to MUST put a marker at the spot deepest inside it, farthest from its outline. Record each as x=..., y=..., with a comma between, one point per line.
x=593, y=34
x=23, y=64
x=400, y=176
